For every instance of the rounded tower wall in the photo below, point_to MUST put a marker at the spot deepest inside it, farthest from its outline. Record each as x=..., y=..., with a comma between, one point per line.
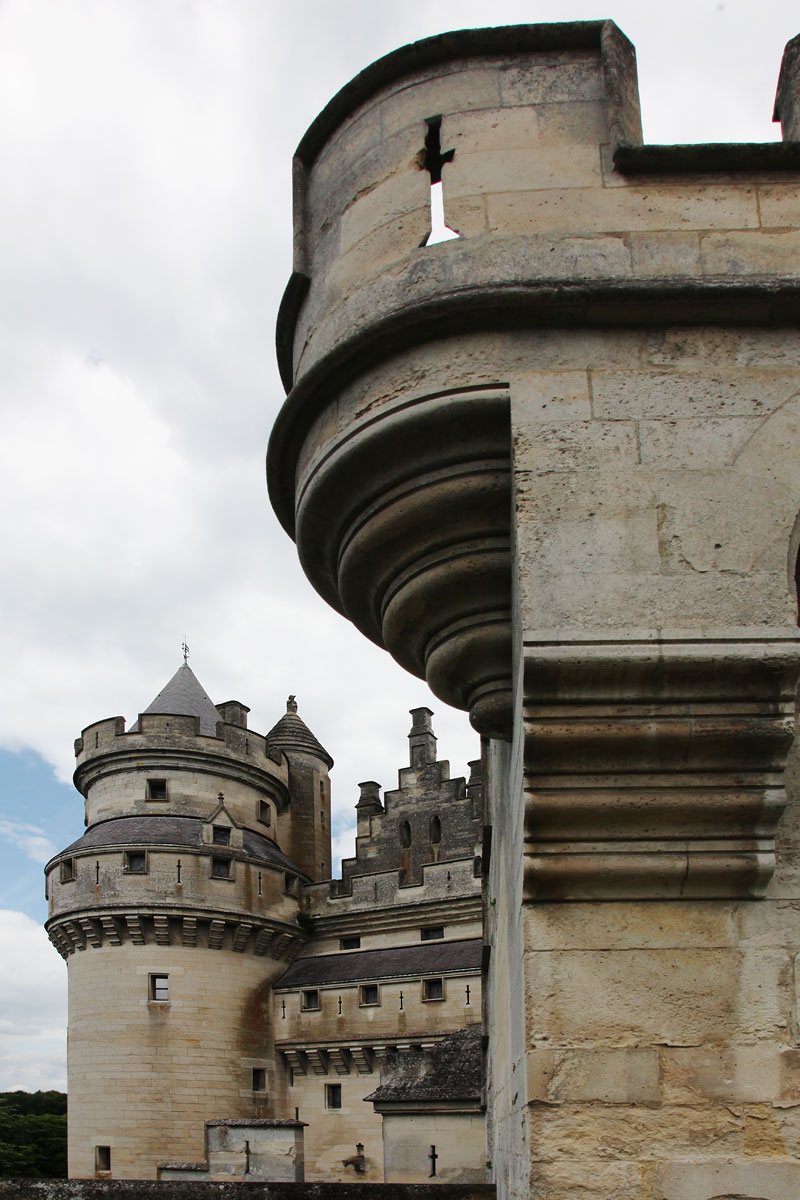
x=145, y=1074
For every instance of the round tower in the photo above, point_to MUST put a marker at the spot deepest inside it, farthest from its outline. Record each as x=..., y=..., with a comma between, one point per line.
x=175, y=911
x=309, y=841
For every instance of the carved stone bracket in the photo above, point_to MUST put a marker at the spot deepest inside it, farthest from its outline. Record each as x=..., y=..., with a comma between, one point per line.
x=654, y=769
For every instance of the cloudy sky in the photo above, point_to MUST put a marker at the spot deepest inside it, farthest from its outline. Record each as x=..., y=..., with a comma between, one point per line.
x=145, y=235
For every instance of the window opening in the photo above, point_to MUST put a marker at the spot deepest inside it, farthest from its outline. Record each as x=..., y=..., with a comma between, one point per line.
x=159, y=987
x=259, y=1079
x=433, y=989
x=221, y=835
x=433, y=1157
x=405, y=834
x=349, y=943
x=264, y=813
x=309, y=999
x=368, y=995
x=433, y=162
x=102, y=1159
x=67, y=870
x=333, y=1095
x=156, y=789
x=435, y=831
x=290, y=885
x=135, y=862
x=220, y=868
x=432, y=933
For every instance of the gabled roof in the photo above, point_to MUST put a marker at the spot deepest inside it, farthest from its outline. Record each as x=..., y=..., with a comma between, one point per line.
x=292, y=733
x=450, y=1071
x=185, y=696
x=396, y=962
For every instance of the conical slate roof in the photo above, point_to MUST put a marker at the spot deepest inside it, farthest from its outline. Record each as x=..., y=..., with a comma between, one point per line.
x=292, y=733
x=184, y=695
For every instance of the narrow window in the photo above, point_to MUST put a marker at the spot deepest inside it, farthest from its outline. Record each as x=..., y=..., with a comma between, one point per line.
x=135, y=862
x=156, y=789
x=433, y=162
x=159, y=987
x=259, y=1079
x=433, y=989
x=322, y=817
x=321, y=790
x=221, y=835
x=309, y=1000
x=333, y=1095
x=220, y=868
x=349, y=943
x=368, y=995
x=432, y=933
x=264, y=813
x=67, y=870
x=436, y=831
x=405, y=833
x=102, y=1160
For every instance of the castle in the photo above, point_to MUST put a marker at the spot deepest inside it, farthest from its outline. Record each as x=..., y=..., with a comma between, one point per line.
x=231, y=1006
x=552, y=465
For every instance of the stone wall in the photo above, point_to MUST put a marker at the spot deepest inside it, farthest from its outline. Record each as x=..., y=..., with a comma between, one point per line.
x=85, y=1189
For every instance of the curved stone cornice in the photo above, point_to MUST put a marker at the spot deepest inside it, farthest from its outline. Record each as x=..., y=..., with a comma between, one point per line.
x=403, y=526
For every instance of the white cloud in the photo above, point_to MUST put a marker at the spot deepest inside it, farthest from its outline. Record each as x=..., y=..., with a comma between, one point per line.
x=33, y=1004
x=28, y=838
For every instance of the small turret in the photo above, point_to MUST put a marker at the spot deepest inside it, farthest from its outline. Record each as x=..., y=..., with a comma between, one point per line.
x=309, y=785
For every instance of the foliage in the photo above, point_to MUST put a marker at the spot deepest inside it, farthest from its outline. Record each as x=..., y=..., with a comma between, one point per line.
x=33, y=1135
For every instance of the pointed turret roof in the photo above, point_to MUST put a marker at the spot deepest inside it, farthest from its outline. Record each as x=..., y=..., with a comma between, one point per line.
x=184, y=695
x=292, y=733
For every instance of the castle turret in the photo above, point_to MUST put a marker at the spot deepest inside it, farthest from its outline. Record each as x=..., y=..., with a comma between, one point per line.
x=308, y=765
x=174, y=911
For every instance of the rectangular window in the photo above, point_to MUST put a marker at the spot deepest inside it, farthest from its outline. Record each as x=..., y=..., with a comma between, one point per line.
x=290, y=885
x=135, y=862
x=220, y=868
x=309, y=1000
x=221, y=835
x=333, y=1095
x=433, y=989
x=159, y=987
x=368, y=994
x=264, y=813
x=349, y=943
x=432, y=933
x=102, y=1159
x=259, y=1079
x=67, y=873
x=322, y=817
x=156, y=789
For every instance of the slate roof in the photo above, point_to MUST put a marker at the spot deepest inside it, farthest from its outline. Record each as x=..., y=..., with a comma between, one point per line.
x=171, y=831
x=184, y=695
x=292, y=733
x=451, y=1070
x=396, y=962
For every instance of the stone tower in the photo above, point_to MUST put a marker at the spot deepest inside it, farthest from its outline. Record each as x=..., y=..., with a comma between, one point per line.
x=175, y=912
x=553, y=466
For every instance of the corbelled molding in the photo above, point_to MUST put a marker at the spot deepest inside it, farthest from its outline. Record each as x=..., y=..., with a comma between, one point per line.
x=208, y=929
x=654, y=769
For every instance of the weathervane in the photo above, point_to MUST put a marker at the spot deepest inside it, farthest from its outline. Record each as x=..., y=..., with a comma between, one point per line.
x=185, y=650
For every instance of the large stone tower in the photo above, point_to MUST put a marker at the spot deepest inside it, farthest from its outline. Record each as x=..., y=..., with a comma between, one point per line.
x=553, y=466
x=175, y=911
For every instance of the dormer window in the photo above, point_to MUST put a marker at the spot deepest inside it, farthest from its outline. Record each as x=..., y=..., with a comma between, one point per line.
x=156, y=789
x=221, y=835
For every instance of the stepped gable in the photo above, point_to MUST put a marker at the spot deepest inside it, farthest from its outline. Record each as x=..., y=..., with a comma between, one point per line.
x=292, y=733
x=185, y=696
x=450, y=1070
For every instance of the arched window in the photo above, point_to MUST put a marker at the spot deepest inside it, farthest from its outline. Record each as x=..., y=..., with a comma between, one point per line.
x=436, y=831
x=405, y=833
